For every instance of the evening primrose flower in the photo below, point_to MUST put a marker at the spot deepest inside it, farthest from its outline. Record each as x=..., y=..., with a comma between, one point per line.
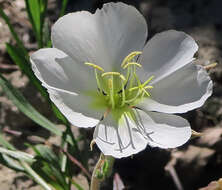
x=100, y=73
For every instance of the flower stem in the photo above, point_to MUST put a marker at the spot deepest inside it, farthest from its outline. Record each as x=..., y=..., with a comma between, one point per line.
x=102, y=170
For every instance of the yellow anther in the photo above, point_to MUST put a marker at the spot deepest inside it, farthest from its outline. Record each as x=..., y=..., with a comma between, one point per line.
x=113, y=73
x=148, y=87
x=129, y=57
x=94, y=66
x=132, y=63
x=110, y=73
x=134, y=88
x=122, y=77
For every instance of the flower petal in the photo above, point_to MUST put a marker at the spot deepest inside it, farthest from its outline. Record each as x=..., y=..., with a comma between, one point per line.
x=167, y=52
x=66, y=83
x=103, y=38
x=76, y=108
x=119, y=139
x=184, y=90
x=57, y=70
x=164, y=130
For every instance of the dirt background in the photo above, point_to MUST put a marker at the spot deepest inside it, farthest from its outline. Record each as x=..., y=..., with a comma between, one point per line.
x=196, y=164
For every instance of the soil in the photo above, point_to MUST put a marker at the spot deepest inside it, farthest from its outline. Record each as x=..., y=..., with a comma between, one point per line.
x=196, y=164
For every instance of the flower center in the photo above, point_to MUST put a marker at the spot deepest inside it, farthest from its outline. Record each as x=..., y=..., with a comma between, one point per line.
x=120, y=91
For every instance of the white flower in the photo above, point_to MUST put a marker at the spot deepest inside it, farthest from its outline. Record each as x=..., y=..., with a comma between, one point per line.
x=100, y=73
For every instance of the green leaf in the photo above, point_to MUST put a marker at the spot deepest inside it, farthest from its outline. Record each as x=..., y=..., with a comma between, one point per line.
x=46, y=153
x=15, y=36
x=35, y=176
x=36, y=10
x=33, y=10
x=63, y=9
x=23, y=105
x=17, y=155
x=6, y=160
x=6, y=144
x=11, y=163
x=47, y=165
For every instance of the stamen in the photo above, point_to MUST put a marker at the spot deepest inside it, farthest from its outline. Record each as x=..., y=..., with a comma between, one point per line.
x=147, y=93
x=114, y=73
x=94, y=66
x=97, y=79
x=148, y=87
x=132, y=63
x=122, y=77
x=110, y=73
x=129, y=57
x=148, y=80
x=134, y=88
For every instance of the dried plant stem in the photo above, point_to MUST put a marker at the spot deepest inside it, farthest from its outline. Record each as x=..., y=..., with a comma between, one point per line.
x=171, y=169
x=95, y=179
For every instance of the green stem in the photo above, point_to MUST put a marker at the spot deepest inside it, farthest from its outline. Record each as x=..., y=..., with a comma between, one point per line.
x=102, y=170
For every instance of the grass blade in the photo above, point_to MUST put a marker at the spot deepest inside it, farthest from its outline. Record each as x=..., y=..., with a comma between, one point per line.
x=23, y=105
x=33, y=10
x=36, y=10
x=63, y=9
x=6, y=144
x=35, y=176
x=17, y=155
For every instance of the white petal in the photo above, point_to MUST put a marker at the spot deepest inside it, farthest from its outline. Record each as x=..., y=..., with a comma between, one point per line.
x=103, y=38
x=119, y=139
x=66, y=83
x=57, y=70
x=165, y=53
x=76, y=108
x=184, y=90
x=164, y=130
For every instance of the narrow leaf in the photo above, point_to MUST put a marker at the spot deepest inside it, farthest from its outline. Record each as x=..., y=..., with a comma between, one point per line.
x=34, y=14
x=5, y=143
x=35, y=176
x=23, y=105
x=63, y=9
x=17, y=154
x=11, y=163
